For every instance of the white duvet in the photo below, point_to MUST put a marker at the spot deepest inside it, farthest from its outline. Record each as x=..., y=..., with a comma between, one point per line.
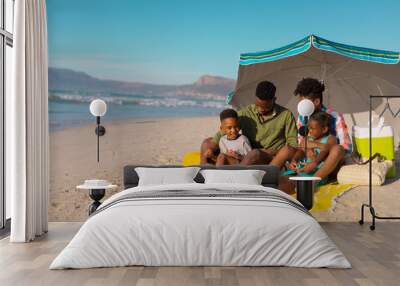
x=200, y=231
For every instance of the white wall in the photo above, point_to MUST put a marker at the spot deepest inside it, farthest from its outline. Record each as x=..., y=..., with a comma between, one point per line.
x=8, y=83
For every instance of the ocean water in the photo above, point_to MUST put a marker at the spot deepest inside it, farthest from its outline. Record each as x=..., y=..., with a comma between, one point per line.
x=72, y=110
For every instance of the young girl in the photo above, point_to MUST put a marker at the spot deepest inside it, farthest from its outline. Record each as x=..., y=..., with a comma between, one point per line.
x=319, y=142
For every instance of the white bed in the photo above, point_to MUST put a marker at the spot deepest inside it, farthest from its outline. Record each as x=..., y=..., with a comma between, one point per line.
x=206, y=230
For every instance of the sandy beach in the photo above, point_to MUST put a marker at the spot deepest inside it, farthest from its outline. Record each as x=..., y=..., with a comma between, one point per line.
x=158, y=141
x=136, y=141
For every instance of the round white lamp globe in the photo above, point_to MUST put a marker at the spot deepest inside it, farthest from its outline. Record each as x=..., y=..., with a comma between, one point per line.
x=98, y=107
x=305, y=107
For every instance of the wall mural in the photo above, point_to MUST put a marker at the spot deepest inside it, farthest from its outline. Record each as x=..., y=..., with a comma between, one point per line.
x=165, y=75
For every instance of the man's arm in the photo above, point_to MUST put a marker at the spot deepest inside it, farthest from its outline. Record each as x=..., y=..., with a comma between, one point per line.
x=342, y=133
x=299, y=123
x=291, y=130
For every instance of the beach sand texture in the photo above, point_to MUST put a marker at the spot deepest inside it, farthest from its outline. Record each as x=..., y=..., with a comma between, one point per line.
x=158, y=141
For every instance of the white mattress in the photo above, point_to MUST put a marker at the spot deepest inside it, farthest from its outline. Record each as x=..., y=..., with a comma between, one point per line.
x=200, y=231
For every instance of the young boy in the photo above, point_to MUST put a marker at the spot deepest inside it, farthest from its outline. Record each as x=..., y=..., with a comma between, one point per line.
x=233, y=145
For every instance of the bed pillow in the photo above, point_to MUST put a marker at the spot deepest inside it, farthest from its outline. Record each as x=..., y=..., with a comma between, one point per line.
x=165, y=176
x=248, y=177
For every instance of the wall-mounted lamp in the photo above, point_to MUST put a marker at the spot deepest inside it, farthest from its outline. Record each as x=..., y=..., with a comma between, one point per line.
x=98, y=108
x=306, y=109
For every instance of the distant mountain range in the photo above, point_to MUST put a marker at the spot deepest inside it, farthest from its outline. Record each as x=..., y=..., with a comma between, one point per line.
x=206, y=87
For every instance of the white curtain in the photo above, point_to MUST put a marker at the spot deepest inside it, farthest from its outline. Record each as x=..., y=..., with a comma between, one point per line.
x=27, y=132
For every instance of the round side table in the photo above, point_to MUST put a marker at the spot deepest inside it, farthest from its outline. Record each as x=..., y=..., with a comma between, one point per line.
x=305, y=190
x=96, y=193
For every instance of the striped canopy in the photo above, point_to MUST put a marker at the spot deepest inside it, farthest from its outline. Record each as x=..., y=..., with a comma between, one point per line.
x=350, y=75
x=371, y=55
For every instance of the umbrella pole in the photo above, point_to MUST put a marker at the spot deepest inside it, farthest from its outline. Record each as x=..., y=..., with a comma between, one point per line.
x=369, y=205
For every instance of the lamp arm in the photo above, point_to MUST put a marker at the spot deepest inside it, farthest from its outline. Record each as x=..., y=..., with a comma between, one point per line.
x=98, y=138
x=305, y=138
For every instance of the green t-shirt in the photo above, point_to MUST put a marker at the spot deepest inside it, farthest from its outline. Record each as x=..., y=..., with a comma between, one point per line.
x=268, y=132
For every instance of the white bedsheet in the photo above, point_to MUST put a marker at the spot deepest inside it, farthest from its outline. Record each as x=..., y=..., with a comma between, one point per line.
x=200, y=231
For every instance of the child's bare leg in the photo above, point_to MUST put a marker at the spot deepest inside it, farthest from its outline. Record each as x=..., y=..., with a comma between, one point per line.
x=224, y=159
x=286, y=185
x=232, y=161
x=221, y=160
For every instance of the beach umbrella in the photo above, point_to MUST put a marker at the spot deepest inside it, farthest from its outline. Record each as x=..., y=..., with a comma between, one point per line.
x=350, y=75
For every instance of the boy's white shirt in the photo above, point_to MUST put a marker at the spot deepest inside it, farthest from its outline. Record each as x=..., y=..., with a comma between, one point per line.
x=240, y=145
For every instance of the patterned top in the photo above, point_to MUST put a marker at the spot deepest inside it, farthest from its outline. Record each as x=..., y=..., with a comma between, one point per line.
x=323, y=140
x=337, y=127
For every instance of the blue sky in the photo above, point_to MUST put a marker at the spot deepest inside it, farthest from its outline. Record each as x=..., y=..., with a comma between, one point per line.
x=175, y=42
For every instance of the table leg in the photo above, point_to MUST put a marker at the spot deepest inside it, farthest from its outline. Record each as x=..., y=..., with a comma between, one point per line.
x=96, y=195
x=305, y=193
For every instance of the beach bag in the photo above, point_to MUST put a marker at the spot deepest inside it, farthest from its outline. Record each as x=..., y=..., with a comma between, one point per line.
x=382, y=142
x=358, y=174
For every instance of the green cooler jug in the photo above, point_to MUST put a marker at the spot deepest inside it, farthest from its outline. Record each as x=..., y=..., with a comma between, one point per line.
x=382, y=143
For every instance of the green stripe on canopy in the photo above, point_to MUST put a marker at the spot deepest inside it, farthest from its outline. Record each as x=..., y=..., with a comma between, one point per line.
x=276, y=54
x=371, y=55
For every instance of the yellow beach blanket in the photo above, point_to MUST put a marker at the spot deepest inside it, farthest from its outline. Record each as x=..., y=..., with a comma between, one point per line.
x=191, y=158
x=326, y=195
x=324, y=198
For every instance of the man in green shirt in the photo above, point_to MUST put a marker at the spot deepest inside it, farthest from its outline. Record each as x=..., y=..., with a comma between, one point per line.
x=270, y=128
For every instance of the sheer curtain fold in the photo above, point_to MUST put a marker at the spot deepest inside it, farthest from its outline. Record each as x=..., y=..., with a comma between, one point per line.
x=28, y=123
